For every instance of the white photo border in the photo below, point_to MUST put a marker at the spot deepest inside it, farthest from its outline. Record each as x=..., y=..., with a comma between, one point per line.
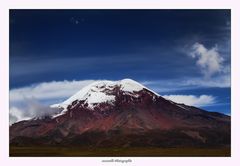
x=6, y=5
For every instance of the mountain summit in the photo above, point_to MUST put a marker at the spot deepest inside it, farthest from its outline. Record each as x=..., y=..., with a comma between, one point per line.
x=123, y=114
x=101, y=92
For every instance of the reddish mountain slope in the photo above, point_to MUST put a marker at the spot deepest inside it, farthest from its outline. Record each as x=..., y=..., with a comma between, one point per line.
x=123, y=113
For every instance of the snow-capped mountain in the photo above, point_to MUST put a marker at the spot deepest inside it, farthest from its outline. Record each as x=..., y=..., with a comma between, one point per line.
x=123, y=113
x=101, y=92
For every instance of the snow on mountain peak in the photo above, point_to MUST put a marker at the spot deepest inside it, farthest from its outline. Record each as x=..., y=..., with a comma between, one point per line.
x=130, y=85
x=97, y=93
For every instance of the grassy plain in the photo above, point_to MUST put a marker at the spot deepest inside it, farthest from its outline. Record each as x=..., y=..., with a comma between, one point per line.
x=107, y=152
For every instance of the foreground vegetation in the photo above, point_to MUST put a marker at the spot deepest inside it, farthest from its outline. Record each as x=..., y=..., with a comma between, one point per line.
x=105, y=152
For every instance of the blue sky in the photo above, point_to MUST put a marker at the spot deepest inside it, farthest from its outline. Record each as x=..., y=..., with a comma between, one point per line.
x=174, y=52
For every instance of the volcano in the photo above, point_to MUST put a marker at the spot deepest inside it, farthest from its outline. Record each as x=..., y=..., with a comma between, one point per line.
x=123, y=114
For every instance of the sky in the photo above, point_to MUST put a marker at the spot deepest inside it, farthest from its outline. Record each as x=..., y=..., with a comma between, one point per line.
x=184, y=55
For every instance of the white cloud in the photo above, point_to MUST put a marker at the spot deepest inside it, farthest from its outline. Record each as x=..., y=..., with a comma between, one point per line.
x=25, y=102
x=192, y=100
x=16, y=114
x=209, y=60
x=223, y=81
x=48, y=90
x=31, y=109
x=186, y=83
